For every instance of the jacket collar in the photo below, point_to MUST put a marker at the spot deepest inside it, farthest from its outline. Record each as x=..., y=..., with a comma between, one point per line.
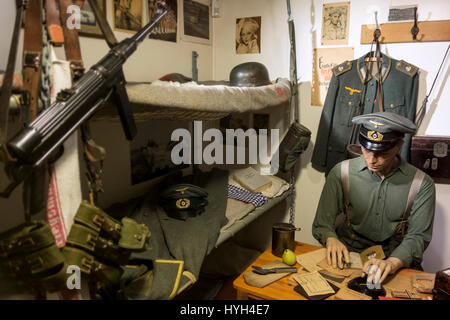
x=402, y=167
x=362, y=69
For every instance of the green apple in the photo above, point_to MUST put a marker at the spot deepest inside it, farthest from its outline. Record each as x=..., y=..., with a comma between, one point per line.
x=289, y=257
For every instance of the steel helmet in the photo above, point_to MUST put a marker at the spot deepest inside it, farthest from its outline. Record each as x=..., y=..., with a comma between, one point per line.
x=249, y=74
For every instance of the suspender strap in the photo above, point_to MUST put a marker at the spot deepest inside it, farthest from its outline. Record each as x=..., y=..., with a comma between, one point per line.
x=413, y=191
x=345, y=178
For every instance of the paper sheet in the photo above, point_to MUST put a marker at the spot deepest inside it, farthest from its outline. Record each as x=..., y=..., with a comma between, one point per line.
x=313, y=283
x=309, y=260
x=349, y=294
x=323, y=264
x=355, y=259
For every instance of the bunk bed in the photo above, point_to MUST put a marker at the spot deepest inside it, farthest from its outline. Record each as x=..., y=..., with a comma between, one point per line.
x=191, y=101
x=162, y=100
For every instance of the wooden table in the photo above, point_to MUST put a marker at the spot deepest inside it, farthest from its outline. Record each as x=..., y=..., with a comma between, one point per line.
x=283, y=289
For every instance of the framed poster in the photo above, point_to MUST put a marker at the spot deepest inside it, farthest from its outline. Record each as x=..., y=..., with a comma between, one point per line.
x=88, y=24
x=248, y=35
x=196, y=22
x=324, y=60
x=151, y=153
x=128, y=15
x=167, y=28
x=335, y=21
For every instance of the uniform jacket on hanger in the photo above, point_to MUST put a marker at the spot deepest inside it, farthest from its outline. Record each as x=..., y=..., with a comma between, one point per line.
x=400, y=82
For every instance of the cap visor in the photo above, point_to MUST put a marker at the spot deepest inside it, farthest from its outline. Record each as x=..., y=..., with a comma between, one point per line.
x=376, y=146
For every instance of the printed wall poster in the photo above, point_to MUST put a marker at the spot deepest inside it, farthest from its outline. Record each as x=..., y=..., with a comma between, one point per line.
x=196, y=21
x=167, y=28
x=128, y=15
x=335, y=21
x=324, y=60
x=248, y=35
x=88, y=23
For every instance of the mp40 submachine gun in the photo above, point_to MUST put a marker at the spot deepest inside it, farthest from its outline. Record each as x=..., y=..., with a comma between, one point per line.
x=32, y=145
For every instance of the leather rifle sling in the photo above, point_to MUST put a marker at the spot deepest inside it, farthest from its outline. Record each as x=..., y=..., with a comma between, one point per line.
x=52, y=22
x=6, y=88
x=32, y=52
x=103, y=24
x=422, y=110
x=71, y=42
x=34, y=193
x=94, y=164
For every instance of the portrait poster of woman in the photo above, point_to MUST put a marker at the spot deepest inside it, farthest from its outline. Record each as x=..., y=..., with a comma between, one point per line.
x=335, y=22
x=248, y=35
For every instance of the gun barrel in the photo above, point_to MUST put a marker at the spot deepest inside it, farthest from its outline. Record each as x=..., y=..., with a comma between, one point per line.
x=147, y=29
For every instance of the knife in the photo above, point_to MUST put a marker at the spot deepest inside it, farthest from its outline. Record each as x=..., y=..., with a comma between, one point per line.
x=260, y=270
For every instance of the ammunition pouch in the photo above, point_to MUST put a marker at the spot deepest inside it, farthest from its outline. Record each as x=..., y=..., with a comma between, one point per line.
x=99, y=245
x=30, y=259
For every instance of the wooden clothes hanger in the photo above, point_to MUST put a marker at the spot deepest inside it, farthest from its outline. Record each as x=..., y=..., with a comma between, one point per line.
x=373, y=56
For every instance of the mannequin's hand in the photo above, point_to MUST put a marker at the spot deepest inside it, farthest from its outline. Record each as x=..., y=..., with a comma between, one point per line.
x=337, y=253
x=377, y=270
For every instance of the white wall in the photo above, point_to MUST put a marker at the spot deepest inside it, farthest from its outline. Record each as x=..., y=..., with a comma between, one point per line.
x=275, y=55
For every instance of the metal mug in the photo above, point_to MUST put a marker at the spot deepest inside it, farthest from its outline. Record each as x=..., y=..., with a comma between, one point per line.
x=283, y=237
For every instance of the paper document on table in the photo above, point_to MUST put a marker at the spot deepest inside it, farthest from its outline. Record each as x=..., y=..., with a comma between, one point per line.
x=356, y=262
x=309, y=260
x=313, y=283
x=346, y=272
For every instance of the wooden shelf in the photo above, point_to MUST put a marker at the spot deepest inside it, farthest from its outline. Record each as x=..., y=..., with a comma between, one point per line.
x=429, y=31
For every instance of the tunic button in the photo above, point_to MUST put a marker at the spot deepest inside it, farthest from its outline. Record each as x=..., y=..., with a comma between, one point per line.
x=392, y=105
x=367, y=99
x=329, y=148
x=353, y=236
x=350, y=103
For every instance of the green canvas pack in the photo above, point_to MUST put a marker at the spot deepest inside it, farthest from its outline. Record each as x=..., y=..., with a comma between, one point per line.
x=101, y=245
x=30, y=259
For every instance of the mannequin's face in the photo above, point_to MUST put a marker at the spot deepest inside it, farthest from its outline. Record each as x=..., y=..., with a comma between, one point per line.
x=381, y=162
